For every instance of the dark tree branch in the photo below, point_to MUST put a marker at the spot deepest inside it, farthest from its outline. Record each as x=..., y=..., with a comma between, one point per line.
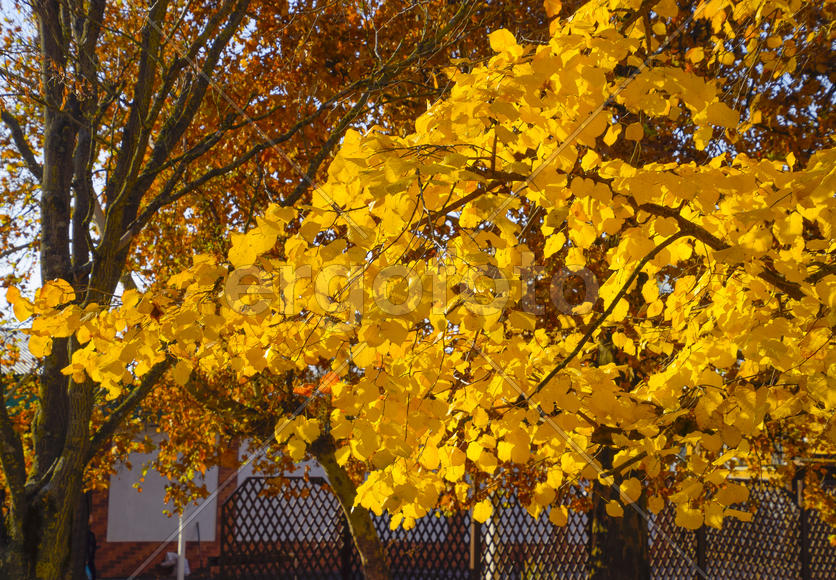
x=14, y=249
x=691, y=229
x=186, y=107
x=333, y=140
x=187, y=57
x=260, y=424
x=603, y=316
x=22, y=145
x=823, y=271
x=126, y=407
x=168, y=196
x=134, y=136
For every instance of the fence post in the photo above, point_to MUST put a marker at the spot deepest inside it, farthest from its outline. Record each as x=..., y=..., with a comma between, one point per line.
x=345, y=550
x=475, y=550
x=702, y=560
x=803, y=532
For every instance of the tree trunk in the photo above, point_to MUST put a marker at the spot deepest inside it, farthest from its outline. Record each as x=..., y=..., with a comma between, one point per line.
x=618, y=546
x=78, y=543
x=359, y=520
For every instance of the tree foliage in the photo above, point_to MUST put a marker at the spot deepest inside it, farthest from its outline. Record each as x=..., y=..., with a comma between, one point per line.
x=132, y=131
x=595, y=260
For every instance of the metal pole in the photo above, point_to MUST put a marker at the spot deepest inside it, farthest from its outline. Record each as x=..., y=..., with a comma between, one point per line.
x=804, y=532
x=181, y=548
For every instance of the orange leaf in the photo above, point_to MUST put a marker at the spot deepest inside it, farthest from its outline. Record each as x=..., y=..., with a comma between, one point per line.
x=304, y=390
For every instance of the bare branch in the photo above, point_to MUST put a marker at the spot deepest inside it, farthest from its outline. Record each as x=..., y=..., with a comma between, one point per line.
x=164, y=199
x=168, y=194
x=22, y=145
x=14, y=249
x=135, y=136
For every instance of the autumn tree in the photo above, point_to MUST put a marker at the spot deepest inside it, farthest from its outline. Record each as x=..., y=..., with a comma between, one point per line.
x=671, y=128
x=127, y=129
x=574, y=270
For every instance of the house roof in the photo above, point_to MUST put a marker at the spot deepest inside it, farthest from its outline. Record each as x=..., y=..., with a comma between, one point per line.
x=11, y=338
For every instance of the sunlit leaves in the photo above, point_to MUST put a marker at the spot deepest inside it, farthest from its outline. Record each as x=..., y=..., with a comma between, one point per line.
x=444, y=272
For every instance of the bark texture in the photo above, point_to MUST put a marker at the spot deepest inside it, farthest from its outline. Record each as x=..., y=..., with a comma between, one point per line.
x=359, y=520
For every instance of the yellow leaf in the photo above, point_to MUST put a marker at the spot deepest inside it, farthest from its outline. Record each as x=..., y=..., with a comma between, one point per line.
x=22, y=307
x=722, y=115
x=296, y=448
x=666, y=226
x=247, y=247
x=543, y=494
x=590, y=160
x=552, y=7
x=634, y=132
x=655, y=309
x=182, y=372
x=559, y=515
x=614, y=509
x=631, y=490
x=522, y=320
x=613, y=131
x=733, y=493
x=655, y=504
x=650, y=290
x=487, y=461
x=713, y=442
x=482, y=511
x=620, y=311
x=502, y=40
x=688, y=517
x=702, y=136
x=714, y=515
x=474, y=450
x=54, y=293
x=307, y=429
x=40, y=346
x=342, y=455
x=554, y=243
x=429, y=457
x=130, y=298
x=738, y=514
x=695, y=55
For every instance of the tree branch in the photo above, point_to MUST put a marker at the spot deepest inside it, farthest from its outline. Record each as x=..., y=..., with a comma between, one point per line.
x=11, y=457
x=189, y=101
x=603, y=316
x=126, y=407
x=14, y=249
x=167, y=196
x=134, y=135
x=325, y=150
x=691, y=229
x=22, y=145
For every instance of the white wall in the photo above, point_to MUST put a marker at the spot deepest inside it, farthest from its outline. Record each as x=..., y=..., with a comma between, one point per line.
x=247, y=470
x=138, y=517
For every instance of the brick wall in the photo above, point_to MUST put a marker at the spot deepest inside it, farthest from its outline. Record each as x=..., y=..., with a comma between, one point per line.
x=121, y=559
